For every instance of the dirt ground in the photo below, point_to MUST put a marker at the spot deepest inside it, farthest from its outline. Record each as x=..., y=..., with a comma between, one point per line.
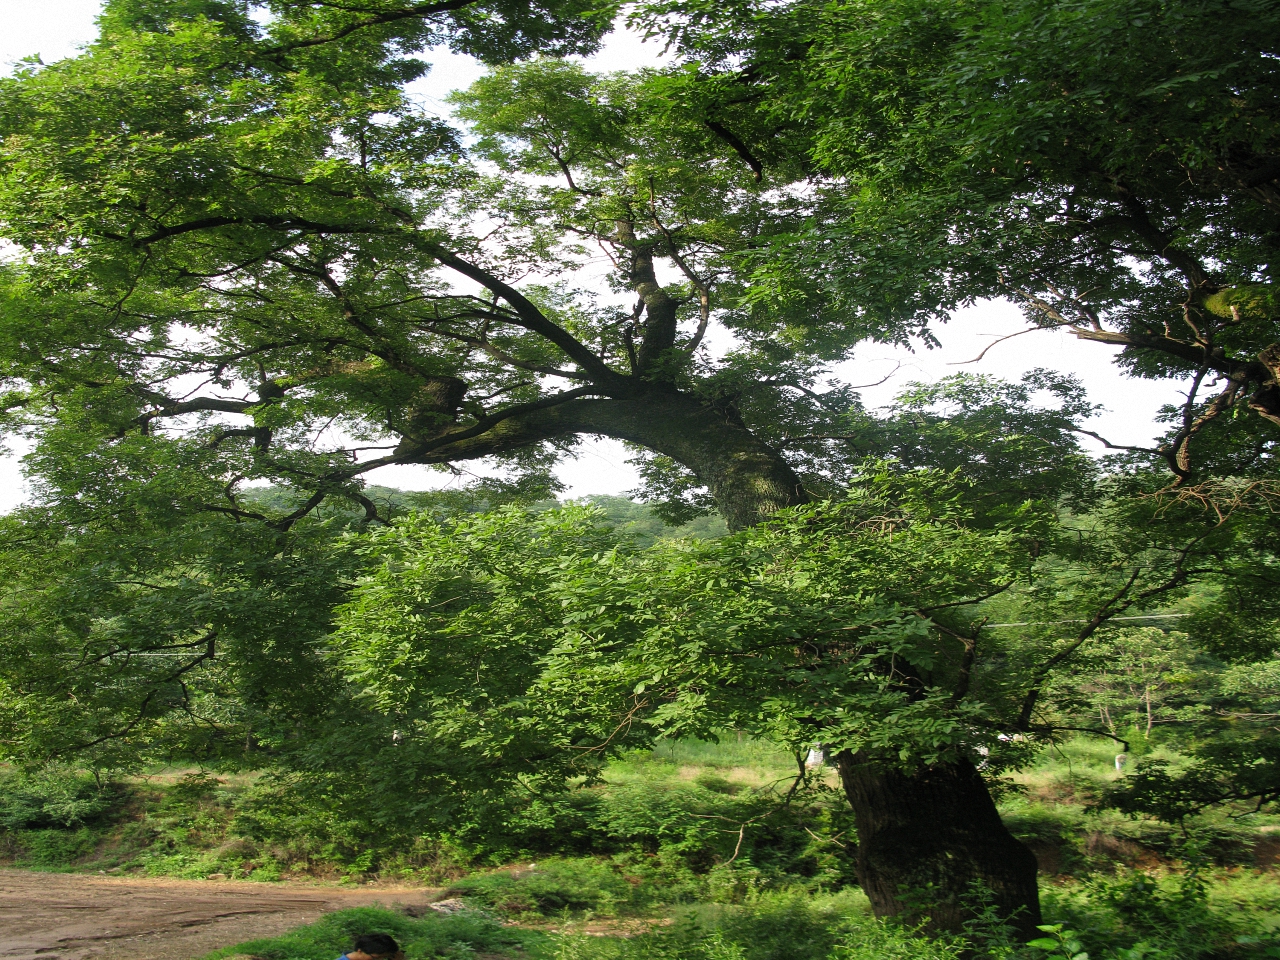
x=63, y=916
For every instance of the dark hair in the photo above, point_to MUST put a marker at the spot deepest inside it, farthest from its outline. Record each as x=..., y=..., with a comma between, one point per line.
x=375, y=943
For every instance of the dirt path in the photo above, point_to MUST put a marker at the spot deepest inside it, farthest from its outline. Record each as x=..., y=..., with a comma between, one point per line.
x=62, y=916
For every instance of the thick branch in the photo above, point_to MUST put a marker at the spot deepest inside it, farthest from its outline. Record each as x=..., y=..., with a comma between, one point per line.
x=748, y=480
x=660, y=307
x=1161, y=243
x=740, y=148
x=1215, y=360
x=416, y=11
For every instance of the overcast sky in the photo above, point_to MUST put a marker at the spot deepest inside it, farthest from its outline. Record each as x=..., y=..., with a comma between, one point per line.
x=56, y=28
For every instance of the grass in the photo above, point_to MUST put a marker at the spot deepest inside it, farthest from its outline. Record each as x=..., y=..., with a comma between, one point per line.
x=1124, y=917
x=644, y=866
x=460, y=935
x=671, y=814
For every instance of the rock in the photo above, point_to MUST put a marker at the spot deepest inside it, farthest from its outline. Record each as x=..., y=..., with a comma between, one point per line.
x=215, y=876
x=449, y=906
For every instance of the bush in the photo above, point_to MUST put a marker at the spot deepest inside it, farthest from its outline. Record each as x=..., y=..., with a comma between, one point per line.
x=458, y=936
x=51, y=849
x=549, y=888
x=783, y=926
x=690, y=827
x=1183, y=916
x=57, y=797
x=695, y=823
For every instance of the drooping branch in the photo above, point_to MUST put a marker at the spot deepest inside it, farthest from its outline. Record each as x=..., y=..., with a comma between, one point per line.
x=210, y=651
x=1115, y=446
x=1114, y=605
x=740, y=148
x=747, y=478
x=1111, y=609
x=1182, y=445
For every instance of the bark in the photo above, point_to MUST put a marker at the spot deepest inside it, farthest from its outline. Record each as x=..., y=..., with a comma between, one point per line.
x=929, y=840
x=748, y=479
x=660, y=310
x=1266, y=398
x=435, y=406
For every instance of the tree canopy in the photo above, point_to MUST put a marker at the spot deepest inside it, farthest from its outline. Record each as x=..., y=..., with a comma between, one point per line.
x=1110, y=166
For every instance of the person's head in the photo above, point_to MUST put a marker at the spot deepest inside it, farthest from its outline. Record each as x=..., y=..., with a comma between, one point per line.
x=373, y=946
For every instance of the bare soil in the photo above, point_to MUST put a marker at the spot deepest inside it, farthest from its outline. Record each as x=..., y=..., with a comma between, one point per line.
x=66, y=916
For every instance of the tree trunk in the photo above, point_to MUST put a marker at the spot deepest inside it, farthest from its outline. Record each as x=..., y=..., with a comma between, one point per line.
x=926, y=839
x=931, y=846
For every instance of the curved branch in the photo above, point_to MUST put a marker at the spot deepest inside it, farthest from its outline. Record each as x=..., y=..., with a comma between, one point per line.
x=416, y=11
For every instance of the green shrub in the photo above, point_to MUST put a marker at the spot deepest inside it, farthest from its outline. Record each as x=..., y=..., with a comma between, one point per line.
x=882, y=941
x=1183, y=916
x=783, y=926
x=787, y=925
x=690, y=827
x=459, y=936
x=56, y=797
x=548, y=888
x=52, y=849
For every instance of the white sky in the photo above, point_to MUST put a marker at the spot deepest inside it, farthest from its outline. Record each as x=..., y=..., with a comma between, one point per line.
x=56, y=28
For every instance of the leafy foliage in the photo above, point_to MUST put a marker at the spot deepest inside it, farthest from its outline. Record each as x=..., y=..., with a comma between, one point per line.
x=55, y=798
x=795, y=629
x=455, y=937
x=1109, y=166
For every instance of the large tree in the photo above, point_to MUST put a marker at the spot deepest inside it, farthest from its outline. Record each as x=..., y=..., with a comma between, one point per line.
x=243, y=256
x=246, y=257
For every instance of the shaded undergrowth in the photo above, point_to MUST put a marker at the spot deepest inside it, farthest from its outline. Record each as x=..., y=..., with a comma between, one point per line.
x=688, y=851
